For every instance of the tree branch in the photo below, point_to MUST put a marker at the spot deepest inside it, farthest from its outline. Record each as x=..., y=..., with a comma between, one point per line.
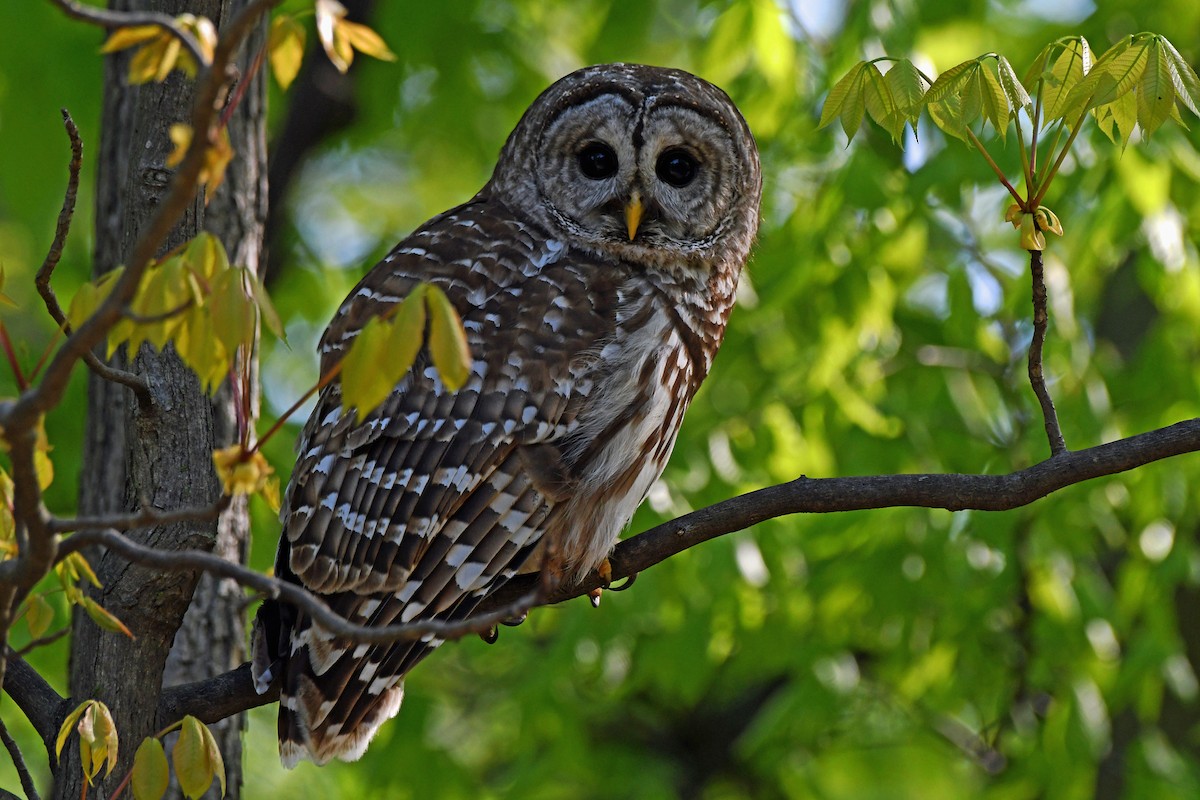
x=232, y=692
x=143, y=518
x=44, y=707
x=18, y=762
x=310, y=604
x=131, y=19
x=42, y=280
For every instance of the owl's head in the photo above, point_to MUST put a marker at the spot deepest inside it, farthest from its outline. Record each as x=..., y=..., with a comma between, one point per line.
x=639, y=163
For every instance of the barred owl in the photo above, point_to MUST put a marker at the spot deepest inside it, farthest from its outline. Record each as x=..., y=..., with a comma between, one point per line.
x=594, y=274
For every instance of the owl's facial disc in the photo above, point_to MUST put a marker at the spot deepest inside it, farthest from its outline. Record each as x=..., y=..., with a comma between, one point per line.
x=626, y=171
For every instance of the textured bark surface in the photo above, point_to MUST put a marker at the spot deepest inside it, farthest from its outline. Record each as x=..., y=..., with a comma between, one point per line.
x=161, y=453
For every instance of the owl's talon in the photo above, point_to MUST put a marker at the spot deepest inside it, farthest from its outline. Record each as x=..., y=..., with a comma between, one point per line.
x=604, y=570
x=628, y=582
x=490, y=635
x=515, y=620
x=594, y=596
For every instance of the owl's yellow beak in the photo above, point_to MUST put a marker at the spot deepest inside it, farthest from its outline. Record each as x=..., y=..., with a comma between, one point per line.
x=633, y=214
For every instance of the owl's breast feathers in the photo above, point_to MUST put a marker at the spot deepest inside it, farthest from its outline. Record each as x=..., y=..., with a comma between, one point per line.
x=581, y=373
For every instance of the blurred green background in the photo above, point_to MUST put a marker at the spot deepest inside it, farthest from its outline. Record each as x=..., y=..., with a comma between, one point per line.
x=1044, y=652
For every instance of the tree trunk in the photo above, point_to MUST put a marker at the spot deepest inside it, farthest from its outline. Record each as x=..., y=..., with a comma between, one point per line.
x=160, y=453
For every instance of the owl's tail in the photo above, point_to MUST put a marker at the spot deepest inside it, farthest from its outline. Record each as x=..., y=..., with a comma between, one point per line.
x=333, y=695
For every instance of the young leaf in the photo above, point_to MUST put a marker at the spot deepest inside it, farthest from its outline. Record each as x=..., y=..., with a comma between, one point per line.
x=266, y=308
x=68, y=725
x=995, y=101
x=1018, y=98
x=881, y=105
x=41, y=456
x=365, y=40
x=908, y=87
x=103, y=617
x=366, y=382
x=241, y=473
x=1187, y=84
x=1067, y=70
x=285, y=47
x=232, y=310
x=1117, y=119
x=447, y=340
x=845, y=101
x=197, y=759
x=408, y=332
x=38, y=615
x=89, y=297
x=1031, y=237
x=5, y=299
x=1156, y=90
x=340, y=37
x=123, y=38
x=150, y=771
x=1115, y=73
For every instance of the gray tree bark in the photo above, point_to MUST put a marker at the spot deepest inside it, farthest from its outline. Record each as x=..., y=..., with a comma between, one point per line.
x=160, y=453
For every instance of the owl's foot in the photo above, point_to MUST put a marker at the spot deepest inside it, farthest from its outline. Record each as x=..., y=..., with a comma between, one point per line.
x=493, y=633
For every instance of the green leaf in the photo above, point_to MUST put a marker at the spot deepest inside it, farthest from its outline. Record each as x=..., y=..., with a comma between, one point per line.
x=68, y=725
x=365, y=382
x=38, y=615
x=1067, y=70
x=950, y=82
x=1187, y=84
x=447, y=340
x=1018, y=98
x=197, y=758
x=89, y=297
x=881, y=105
x=285, y=48
x=206, y=255
x=266, y=308
x=947, y=115
x=232, y=310
x=845, y=101
x=1155, y=91
x=995, y=102
x=151, y=775
x=1118, y=118
x=908, y=87
x=407, y=332
x=103, y=617
x=1116, y=73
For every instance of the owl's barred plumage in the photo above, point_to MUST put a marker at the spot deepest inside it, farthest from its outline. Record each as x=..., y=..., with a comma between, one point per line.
x=594, y=274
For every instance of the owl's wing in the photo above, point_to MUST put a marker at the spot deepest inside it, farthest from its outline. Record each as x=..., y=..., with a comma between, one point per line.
x=433, y=475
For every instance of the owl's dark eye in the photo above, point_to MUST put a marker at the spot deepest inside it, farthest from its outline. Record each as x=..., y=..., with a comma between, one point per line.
x=677, y=167
x=598, y=161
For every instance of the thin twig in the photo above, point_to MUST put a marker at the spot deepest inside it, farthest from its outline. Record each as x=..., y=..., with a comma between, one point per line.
x=42, y=280
x=39, y=642
x=1036, y=376
x=131, y=19
x=146, y=517
x=18, y=760
x=995, y=168
x=310, y=604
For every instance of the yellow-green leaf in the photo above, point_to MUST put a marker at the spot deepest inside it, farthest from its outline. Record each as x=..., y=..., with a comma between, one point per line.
x=1018, y=98
x=285, y=48
x=365, y=380
x=407, y=332
x=232, y=310
x=908, y=87
x=68, y=725
x=1187, y=84
x=1068, y=69
x=1115, y=73
x=365, y=40
x=181, y=136
x=41, y=456
x=197, y=759
x=103, y=617
x=881, y=105
x=447, y=340
x=266, y=308
x=241, y=472
x=151, y=775
x=843, y=96
x=1031, y=237
x=1155, y=90
x=90, y=296
x=5, y=299
x=123, y=38
x=951, y=81
x=206, y=255
x=1117, y=119
x=38, y=615
x=995, y=102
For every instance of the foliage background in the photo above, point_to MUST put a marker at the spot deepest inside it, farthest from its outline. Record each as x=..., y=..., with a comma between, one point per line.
x=882, y=329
